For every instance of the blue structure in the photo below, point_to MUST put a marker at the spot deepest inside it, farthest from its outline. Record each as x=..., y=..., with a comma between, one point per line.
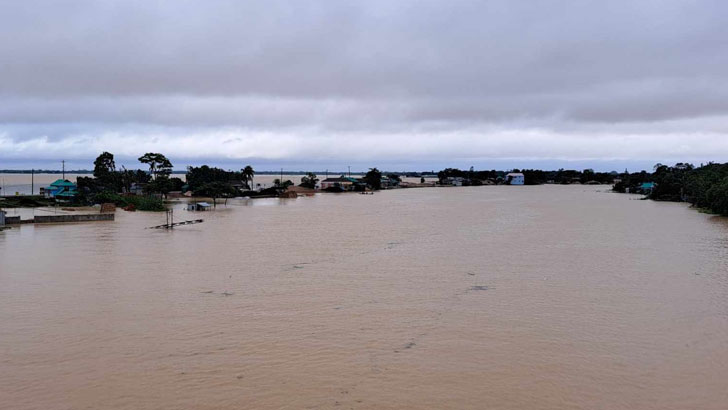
x=61, y=189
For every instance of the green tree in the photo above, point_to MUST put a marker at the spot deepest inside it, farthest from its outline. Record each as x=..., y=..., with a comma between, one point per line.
x=132, y=176
x=247, y=176
x=104, y=165
x=373, y=178
x=159, y=165
x=285, y=184
x=199, y=176
x=106, y=177
x=216, y=190
x=161, y=185
x=309, y=180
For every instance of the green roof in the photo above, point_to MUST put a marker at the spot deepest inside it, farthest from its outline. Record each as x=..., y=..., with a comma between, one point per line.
x=63, y=183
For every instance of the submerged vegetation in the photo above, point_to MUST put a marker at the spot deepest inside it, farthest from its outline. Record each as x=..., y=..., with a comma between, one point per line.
x=117, y=186
x=705, y=187
x=26, y=201
x=141, y=203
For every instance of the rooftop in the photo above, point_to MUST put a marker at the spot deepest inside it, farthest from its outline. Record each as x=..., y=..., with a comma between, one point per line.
x=63, y=183
x=340, y=179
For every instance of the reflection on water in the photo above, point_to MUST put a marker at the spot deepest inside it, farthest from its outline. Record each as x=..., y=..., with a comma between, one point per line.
x=544, y=297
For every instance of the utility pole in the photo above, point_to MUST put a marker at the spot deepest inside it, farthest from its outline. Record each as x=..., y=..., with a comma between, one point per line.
x=349, y=171
x=281, y=184
x=64, y=168
x=32, y=181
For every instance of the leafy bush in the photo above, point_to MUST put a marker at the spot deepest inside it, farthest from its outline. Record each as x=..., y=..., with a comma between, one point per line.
x=141, y=203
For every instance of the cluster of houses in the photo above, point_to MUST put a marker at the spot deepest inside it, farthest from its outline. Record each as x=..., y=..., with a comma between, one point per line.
x=513, y=178
x=345, y=183
x=65, y=189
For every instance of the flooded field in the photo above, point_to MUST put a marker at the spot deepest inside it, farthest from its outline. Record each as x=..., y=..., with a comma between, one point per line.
x=543, y=297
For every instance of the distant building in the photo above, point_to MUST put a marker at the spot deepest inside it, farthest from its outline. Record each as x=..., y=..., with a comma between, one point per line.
x=515, y=178
x=388, y=182
x=238, y=185
x=61, y=189
x=647, y=187
x=136, y=188
x=454, y=181
x=345, y=183
x=199, y=206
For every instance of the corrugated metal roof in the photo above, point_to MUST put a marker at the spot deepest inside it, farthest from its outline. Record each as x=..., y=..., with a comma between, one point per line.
x=63, y=183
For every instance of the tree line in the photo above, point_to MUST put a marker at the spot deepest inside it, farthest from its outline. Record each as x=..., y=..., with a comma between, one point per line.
x=705, y=187
x=109, y=182
x=531, y=176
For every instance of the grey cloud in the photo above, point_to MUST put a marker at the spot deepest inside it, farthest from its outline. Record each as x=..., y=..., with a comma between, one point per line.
x=577, y=71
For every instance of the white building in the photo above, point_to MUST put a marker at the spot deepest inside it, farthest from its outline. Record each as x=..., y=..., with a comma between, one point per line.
x=515, y=178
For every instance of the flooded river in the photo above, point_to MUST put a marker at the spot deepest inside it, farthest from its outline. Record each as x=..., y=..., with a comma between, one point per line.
x=545, y=297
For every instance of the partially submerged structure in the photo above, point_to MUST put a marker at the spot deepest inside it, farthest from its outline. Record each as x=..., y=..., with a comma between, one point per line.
x=60, y=189
x=515, y=178
x=136, y=188
x=342, y=182
x=454, y=181
x=199, y=206
x=387, y=182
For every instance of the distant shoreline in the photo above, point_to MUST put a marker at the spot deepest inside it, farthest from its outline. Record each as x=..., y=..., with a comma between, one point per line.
x=90, y=172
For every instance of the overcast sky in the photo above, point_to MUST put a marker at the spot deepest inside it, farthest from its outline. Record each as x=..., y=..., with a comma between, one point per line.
x=395, y=84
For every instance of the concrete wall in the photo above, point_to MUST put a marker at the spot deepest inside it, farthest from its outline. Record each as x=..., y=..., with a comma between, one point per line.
x=73, y=218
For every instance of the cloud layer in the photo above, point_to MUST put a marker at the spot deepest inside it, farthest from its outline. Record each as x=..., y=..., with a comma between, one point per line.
x=377, y=81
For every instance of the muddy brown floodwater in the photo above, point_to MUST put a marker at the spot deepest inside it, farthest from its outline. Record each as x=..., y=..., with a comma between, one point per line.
x=544, y=297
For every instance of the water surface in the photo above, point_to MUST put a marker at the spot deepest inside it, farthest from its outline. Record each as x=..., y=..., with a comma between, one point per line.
x=545, y=297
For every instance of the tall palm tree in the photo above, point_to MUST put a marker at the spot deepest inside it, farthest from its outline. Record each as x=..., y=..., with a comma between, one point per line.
x=248, y=174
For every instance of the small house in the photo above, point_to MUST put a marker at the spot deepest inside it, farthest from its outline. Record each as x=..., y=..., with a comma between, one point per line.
x=387, y=182
x=342, y=182
x=199, y=206
x=515, y=178
x=136, y=188
x=61, y=189
x=647, y=187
